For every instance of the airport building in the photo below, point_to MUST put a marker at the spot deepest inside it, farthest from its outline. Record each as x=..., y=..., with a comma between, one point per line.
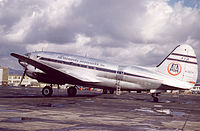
x=14, y=77
x=14, y=80
x=3, y=76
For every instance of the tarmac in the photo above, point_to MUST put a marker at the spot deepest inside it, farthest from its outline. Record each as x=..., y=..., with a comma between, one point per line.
x=26, y=109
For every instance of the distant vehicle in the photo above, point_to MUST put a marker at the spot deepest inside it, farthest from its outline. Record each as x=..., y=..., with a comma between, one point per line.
x=196, y=89
x=178, y=71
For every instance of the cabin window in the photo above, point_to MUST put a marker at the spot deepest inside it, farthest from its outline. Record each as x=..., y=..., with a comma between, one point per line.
x=90, y=67
x=84, y=66
x=59, y=61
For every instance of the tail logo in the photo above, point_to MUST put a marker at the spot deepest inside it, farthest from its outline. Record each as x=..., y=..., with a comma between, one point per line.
x=174, y=68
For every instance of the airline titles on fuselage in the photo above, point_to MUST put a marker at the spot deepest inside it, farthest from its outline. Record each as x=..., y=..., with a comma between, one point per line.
x=80, y=61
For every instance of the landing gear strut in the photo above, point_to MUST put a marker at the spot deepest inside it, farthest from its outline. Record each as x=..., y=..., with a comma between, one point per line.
x=105, y=91
x=47, y=91
x=111, y=91
x=155, y=99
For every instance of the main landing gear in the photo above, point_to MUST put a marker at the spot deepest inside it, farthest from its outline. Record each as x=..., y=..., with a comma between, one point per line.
x=72, y=91
x=155, y=99
x=47, y=91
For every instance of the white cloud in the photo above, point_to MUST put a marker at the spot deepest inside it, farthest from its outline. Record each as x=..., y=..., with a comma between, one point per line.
x=51, y=16
x=57, y=11
x=155, y=19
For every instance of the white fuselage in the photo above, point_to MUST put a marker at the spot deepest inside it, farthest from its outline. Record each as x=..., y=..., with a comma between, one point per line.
x=178, y=71
x=109, y=75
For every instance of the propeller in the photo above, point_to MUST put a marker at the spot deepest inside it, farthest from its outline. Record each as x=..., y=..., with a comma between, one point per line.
x=22, y=77
x=25, y=69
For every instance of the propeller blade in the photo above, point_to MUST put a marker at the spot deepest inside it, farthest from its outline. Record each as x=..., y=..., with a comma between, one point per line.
x=22, y=77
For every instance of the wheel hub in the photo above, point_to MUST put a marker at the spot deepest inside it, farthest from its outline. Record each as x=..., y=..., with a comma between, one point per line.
x=46, y=91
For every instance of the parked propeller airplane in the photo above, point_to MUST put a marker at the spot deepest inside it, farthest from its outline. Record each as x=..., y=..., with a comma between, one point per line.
x=178, y=71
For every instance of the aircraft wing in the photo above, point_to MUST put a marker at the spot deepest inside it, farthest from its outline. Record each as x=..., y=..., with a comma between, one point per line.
x=84, y=75
x=76, y=75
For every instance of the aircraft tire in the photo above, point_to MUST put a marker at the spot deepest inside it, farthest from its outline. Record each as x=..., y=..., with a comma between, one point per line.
x=72, y=91
x=47, y=91
x=111, y=91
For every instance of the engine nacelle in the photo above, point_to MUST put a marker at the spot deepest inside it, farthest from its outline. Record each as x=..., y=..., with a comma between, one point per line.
x=32, y=72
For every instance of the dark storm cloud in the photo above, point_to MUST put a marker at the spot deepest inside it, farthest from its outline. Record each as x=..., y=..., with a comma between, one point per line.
x=6, y=49
x=59, y=35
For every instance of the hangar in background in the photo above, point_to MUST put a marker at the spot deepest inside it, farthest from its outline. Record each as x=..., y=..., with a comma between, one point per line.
x=3, y=76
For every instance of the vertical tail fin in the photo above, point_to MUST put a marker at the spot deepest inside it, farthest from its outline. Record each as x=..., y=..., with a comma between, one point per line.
x=181, y=64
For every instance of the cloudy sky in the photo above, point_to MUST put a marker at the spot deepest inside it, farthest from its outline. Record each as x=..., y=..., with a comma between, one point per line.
x=130, y=32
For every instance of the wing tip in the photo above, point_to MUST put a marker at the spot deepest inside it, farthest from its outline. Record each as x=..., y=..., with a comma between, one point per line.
x=12, y=54
x=16, y=55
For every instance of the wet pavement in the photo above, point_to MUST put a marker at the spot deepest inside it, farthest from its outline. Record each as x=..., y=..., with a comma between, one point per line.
x=27, y=109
